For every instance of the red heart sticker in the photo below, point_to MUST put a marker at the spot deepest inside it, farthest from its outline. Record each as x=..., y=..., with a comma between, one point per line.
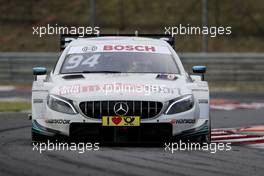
x=116, y=120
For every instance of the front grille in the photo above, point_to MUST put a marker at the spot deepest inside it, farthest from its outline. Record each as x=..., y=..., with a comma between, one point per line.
x=144, y=109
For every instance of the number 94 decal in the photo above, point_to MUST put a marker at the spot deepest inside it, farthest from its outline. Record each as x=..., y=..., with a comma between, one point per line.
x=79, y=60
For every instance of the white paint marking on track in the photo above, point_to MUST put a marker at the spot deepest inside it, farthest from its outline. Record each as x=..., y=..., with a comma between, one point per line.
x=228, y=136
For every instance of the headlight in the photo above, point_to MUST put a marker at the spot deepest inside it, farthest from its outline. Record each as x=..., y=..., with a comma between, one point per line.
x=61, y=104
x=180, y=104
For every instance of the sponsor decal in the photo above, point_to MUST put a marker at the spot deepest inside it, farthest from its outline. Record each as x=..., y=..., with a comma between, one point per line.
x=129, y=48
x=183, y=121
x=89, y=48
x=119, y=48
x=69, y=89
x=58, y=121
x=167, y=76
x=121, y=121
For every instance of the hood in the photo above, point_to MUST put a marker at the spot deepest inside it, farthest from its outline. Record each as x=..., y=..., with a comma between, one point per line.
x=123, y=86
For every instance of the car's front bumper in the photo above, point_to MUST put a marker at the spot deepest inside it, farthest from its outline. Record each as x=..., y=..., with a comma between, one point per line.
x=162, y=127
x=146, y=132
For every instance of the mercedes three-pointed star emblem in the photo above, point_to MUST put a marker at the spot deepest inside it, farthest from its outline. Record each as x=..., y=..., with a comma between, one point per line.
x=121, y=108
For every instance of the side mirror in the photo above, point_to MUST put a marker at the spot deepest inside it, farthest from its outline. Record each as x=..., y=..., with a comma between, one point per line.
x=39, y=71
x=199, y=69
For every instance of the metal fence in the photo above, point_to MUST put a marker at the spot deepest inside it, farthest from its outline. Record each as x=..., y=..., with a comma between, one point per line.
x=222, y=67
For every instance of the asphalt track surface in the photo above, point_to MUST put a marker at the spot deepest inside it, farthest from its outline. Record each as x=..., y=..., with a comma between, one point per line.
x=18, y=158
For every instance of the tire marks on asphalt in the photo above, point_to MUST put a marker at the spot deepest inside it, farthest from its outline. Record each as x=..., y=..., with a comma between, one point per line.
x=15, y=128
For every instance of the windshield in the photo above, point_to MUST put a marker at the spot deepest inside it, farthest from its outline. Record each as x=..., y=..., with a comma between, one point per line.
x=125, y=62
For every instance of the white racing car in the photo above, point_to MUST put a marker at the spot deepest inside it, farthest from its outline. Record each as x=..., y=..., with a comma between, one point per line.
x=120, y=89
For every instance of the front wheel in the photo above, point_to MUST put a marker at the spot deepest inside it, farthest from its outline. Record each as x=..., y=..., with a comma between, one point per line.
x=205, y=138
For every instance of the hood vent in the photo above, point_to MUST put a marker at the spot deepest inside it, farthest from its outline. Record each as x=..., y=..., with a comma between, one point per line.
x=73, y=77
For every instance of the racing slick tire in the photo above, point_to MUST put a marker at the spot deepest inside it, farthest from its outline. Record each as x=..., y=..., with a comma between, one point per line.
x=207, y=137
x=203, y=139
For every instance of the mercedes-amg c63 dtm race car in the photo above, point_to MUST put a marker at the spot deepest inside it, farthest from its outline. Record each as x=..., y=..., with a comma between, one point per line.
x=120, y=89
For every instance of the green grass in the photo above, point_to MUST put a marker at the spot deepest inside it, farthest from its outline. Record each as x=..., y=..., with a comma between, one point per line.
x=6, y=106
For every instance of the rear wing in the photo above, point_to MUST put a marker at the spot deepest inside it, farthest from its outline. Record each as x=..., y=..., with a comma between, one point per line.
x=67, y=38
